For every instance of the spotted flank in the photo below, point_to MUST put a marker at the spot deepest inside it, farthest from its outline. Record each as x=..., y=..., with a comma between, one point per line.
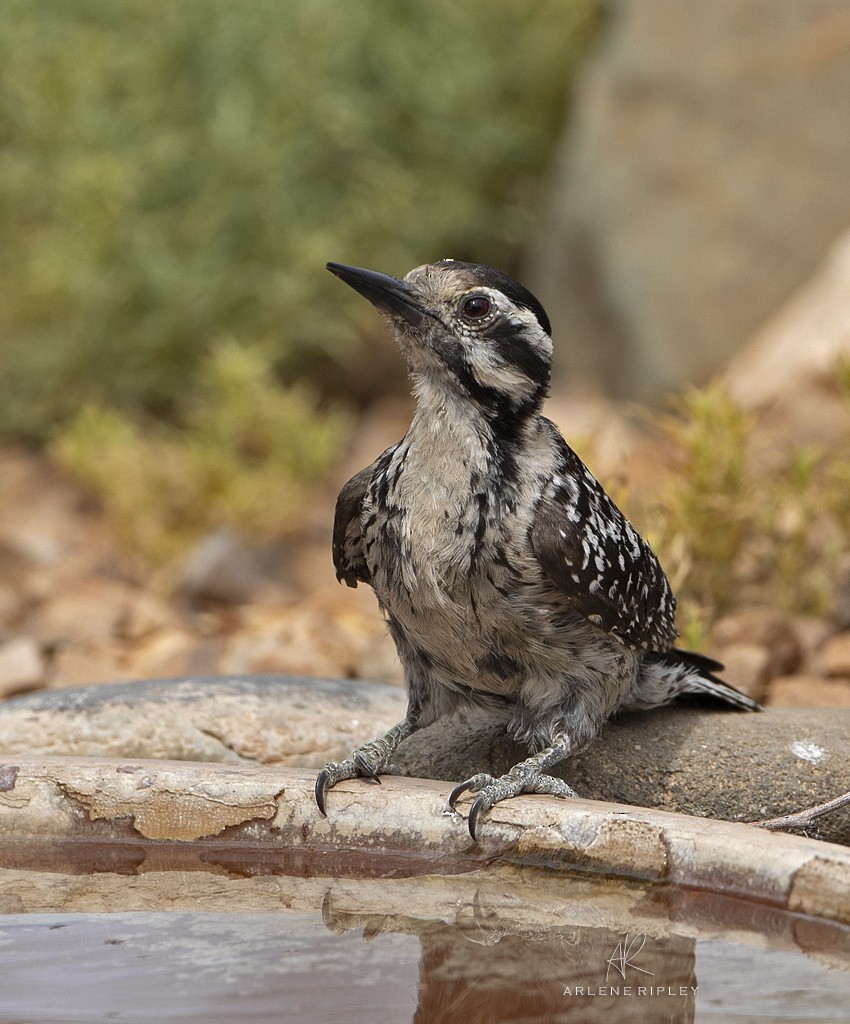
x=595, y=556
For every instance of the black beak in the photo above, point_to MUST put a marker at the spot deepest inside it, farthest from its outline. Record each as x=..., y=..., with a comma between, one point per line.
x=387, y=293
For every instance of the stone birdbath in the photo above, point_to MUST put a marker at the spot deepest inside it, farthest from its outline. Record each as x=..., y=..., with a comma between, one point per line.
x=168, y=818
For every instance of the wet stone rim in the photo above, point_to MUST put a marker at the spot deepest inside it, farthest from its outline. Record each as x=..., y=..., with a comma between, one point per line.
x=271, y=811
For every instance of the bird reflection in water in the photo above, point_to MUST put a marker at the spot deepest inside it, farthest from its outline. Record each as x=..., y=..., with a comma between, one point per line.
x=482, y=970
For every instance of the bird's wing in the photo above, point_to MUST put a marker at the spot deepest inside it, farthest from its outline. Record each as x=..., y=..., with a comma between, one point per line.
x=348, y=550
x=596, y=558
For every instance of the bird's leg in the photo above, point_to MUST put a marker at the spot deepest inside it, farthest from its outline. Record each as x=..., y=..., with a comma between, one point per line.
x=526, y=777
x=369, y=761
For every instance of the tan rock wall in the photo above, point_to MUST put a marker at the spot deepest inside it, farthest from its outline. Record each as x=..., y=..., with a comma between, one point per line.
x=702, y=179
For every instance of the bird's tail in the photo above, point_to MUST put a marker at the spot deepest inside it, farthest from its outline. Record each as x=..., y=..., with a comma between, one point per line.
x=703, y=684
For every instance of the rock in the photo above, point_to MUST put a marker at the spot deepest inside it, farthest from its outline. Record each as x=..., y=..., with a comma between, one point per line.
x=713, y=763
x=380, y=662
x=763, y=627
x=747, y=666
x=166, y=652
x=223, y=568
x=22, y=666
x=812, y=634
x=269, y=719
x=28, y=546
x=144, y=615
x=89, y=612
x=263, y=655
x=702, y=176
x=835, y=655
x=841, y=598
x=104, y=836
x=89, y=662
x=304, y=640
x=787, y=372
x=12, y=605
x=809, y=691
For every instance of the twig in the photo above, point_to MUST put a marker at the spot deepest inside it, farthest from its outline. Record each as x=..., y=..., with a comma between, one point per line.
x=805, y=819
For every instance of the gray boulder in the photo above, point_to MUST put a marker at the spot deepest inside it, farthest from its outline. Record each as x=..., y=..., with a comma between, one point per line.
x=701, y=180
x=711, y=763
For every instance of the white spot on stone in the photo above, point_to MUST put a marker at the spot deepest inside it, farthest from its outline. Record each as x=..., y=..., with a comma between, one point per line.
x=807, y=751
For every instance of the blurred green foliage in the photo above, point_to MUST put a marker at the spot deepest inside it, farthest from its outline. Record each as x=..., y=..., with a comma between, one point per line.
x=706, y=510
x=745, y=517
x=245, y=455
x=173, y=173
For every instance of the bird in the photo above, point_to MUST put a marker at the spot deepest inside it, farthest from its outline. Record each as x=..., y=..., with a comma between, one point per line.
x=508, y=578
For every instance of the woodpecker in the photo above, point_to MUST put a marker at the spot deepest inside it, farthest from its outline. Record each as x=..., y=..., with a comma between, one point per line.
x=507, y=576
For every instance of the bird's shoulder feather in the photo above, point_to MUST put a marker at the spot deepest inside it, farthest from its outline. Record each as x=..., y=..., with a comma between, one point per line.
x=349, y=554
x=592, y=553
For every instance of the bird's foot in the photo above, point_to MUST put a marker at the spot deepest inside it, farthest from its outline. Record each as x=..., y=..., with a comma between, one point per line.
x=369, y=762
x=526, y=777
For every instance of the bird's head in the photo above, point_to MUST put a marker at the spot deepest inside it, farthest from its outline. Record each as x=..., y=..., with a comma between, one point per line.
x=465, y=329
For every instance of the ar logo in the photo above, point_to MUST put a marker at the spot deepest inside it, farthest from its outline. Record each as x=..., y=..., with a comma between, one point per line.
x=625, y=954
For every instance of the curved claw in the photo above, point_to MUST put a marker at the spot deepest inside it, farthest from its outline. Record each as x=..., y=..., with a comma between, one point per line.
x=322, y=780
x=364, y=766
x=480, y=805
x=458, y=792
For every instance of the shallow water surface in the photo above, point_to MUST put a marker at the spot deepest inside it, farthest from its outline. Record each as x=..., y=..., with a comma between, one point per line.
x=337, y=967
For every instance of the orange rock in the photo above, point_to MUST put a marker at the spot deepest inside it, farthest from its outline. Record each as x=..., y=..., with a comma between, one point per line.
x=809, y=691
x=164, y=653
x=765, y=627
x=12, y=604
x=143, y=615
x=835, y=656
x=80, y=663
x=90, y=611
x=748, y=667
x=812, y=634
x=22, y=666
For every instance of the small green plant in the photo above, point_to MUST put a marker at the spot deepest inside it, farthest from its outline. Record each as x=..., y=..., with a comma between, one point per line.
x=704, y=516
x=744, y=518
x=246, y=455
x=838, y=472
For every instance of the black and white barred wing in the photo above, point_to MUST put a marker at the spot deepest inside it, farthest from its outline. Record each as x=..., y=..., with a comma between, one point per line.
x=349, y=554
x=349, y=547
x=596, y=558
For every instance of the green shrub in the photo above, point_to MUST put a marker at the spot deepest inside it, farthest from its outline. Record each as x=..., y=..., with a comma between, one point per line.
x=744, y=517
x=172, y=171
x=245, y=455
x=704, y=514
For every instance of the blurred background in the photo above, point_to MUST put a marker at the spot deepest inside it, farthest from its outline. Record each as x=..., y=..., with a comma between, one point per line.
x=183, y=388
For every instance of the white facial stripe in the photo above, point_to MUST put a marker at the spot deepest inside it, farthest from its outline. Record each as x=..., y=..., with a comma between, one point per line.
x=491, y=371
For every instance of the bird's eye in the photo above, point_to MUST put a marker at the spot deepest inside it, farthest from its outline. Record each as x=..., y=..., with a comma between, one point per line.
x=476, y=307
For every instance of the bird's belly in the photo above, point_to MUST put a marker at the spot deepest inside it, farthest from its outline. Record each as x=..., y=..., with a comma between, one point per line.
x=473, y=606
x=474, y=627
